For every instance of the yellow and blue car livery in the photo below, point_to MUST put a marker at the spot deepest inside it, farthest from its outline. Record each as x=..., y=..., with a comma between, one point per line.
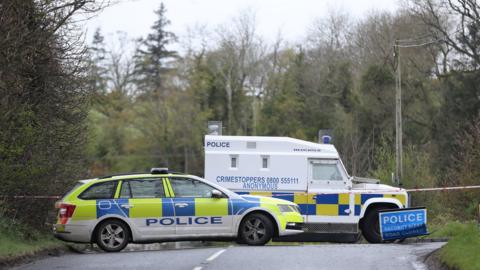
x=176, y=212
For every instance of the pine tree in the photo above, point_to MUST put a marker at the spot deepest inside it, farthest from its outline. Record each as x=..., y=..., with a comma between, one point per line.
x=97, y=78
x=152, y=56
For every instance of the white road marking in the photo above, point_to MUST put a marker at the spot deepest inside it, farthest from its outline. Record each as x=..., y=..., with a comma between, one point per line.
x=209, y=259
x=215, y=255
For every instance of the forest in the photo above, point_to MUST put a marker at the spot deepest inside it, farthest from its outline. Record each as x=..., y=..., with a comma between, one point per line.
x=71, y=110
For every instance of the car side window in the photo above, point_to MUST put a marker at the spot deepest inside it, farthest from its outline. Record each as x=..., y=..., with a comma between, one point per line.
x=105, y=190
x=142, y=188
x=185, y=187
x=125, y=191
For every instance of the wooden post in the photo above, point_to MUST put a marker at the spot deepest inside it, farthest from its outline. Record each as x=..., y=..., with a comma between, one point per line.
x=398, y=117
x=478, y=217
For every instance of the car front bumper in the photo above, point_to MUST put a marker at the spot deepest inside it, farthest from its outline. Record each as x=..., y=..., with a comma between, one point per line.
x=292, y=228
x=295, y=226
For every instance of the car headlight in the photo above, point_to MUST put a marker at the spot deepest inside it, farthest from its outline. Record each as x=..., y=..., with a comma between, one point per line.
x=285, y=208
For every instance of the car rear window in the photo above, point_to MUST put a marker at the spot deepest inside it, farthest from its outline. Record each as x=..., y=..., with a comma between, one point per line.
x=77, y=185
x=105, y=190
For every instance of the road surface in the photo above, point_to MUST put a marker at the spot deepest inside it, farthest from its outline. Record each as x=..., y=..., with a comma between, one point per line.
x=321, y=256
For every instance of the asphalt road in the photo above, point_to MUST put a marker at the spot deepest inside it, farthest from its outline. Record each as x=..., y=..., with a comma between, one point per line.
x=323, y=256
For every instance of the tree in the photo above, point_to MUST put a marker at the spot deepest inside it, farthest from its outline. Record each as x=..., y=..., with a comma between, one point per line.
x=464, y=170
x=97, y=70
x=459, y=109
x=153, y=54
x=43, y=97
x=153, y=72
x=441, y=16
x=282, y=108
x=236, y=64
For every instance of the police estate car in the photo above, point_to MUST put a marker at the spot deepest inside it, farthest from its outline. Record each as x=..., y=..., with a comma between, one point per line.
x=162, y=206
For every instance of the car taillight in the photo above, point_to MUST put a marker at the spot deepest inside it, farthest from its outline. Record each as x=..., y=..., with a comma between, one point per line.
x=65, y=211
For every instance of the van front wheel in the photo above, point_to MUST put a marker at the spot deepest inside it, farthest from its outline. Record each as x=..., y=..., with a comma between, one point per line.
x=371, y=227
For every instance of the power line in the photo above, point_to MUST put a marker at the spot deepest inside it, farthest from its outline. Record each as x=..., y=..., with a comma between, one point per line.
x=418, y=45
x=415, y=39
x=424, y=37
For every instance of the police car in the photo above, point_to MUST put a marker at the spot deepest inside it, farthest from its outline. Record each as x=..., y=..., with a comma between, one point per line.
x=162, y=206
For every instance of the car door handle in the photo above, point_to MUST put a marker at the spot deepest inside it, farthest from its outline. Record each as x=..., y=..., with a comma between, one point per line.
x=181, y=205
x=126, y=206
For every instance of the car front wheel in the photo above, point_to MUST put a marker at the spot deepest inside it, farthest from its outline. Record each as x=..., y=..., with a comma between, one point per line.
x=256, y=229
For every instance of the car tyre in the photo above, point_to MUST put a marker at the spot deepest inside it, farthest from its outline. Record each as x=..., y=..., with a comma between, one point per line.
x=256, y=230
x=371, y=227
x=112, y=235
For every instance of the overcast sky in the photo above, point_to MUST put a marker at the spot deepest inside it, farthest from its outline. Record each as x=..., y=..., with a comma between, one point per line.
x=291, y=17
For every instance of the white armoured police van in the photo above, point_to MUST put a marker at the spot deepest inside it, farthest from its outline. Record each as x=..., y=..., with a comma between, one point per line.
x=309, y=174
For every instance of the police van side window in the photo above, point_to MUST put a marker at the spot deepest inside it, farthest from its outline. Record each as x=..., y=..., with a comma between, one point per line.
x=183, y=187
x=265, y=161
x=233, y=161
x=139, y=188
x=98, y=191
x=326, y=170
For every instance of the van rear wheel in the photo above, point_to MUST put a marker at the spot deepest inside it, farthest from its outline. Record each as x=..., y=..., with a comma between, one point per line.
x=256, y=230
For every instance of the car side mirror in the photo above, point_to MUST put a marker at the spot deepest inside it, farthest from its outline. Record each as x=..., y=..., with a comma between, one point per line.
x=217, y=194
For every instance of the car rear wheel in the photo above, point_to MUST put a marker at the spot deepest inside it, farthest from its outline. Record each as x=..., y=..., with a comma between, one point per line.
x=112, y=235
x=371, y=227
x=256, y=230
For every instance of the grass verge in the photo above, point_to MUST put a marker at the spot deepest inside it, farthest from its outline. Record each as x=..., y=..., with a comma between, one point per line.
x=14, y=245
x=462, y=250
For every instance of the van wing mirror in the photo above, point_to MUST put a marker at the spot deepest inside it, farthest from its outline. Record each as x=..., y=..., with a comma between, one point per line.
x=217, y=194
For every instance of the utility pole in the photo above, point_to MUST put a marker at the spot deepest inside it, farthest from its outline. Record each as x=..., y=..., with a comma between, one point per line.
x=403, y=43
x=398, y=117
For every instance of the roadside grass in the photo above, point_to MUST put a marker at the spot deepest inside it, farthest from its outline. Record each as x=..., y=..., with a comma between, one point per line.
x=462, y=251
x=12, y=247
x=14, y=244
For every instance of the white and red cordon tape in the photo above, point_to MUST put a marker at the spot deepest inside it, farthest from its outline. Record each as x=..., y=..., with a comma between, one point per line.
x=31, y=197
x=441, y=188
x=377, y=191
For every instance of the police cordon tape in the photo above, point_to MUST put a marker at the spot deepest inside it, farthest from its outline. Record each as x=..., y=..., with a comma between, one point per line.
x=274, y=193
x=30, y=197
x=441, y=188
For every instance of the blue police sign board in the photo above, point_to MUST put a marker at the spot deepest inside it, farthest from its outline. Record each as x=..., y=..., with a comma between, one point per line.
x=403, y=223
